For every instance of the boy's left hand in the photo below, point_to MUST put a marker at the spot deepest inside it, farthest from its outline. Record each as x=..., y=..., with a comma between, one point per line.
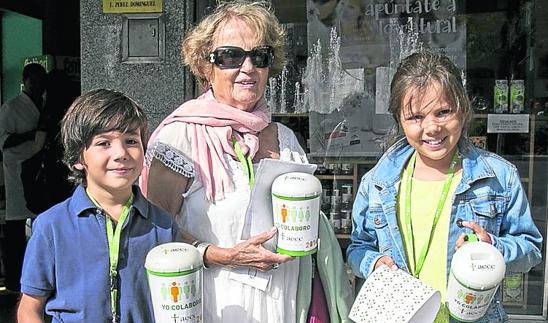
x=478, y=230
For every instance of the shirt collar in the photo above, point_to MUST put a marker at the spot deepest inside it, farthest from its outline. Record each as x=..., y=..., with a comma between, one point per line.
x=81, y=202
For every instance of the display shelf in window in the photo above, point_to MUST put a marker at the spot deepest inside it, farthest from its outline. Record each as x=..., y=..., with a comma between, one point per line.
x=334, y=177
x=338, y=183
x=290, y=115
x=342, y=235
x=515, y=290
x=340, y=179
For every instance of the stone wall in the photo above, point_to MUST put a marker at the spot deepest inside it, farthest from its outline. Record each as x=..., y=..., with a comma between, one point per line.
x=158, y=87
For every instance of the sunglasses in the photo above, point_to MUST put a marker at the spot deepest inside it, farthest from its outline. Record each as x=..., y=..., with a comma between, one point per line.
x=233, y=57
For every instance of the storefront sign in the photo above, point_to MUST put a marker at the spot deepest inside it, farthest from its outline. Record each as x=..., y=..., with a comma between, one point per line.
x=45, y=60
x=508, y=123
x=70, y=65
x=132, y=6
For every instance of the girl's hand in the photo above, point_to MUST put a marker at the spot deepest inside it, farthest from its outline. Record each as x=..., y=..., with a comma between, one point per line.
x=249, y=253
x=387, y=261
x=478, y=230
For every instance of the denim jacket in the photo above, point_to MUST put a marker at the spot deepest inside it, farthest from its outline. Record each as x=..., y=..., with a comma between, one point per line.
x=490, y=193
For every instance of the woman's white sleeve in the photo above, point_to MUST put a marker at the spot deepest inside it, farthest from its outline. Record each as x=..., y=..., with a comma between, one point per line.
x=172, y=147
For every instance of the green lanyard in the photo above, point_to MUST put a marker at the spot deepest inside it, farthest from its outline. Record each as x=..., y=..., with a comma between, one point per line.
x=408, y=174
x=246, y=162
x=113, y=236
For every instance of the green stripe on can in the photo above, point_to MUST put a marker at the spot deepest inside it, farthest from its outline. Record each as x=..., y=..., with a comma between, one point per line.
x=174, y=274
x=300, y=198
x=460, y=319
x=294, y=253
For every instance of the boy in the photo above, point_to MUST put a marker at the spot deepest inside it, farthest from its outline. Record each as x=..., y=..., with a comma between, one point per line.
x=72, y=267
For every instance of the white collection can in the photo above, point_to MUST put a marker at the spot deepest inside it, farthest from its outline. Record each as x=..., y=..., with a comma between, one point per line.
x=174, y=273
x=477, y=269
x=296, y=207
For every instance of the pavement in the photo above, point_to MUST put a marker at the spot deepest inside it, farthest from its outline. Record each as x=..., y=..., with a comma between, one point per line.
x=9, y=299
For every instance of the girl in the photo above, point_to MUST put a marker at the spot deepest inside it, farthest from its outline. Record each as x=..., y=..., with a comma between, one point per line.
x=406, y=209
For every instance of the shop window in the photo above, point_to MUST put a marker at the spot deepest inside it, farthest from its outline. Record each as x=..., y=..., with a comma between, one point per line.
x=334, y=94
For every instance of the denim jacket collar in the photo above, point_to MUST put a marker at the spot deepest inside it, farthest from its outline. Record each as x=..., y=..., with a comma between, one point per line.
x=473, y=164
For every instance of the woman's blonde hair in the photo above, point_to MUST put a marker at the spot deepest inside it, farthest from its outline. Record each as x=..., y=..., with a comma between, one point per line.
x=198, y=42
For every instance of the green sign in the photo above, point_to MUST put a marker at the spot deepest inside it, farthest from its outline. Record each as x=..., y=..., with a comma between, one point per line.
x=45, y=60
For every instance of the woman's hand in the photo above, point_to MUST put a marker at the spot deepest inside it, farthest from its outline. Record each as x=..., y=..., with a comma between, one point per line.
x=478, y=230
x=386, y=261
x=249, y=253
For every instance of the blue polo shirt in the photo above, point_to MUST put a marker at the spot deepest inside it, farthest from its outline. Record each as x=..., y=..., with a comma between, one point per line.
x=67, y=259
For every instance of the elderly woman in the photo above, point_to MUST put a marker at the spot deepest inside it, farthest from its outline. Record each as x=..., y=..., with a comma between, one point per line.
x=201, y=161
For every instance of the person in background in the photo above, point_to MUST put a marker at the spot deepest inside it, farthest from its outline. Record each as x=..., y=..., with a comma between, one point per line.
x=85, y=258
x=18, y=124
x=60, y=93
x=202, y=160
x=409, y=204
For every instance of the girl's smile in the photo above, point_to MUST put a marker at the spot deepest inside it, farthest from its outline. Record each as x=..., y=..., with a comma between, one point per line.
x=434, y=144
x=431, y=125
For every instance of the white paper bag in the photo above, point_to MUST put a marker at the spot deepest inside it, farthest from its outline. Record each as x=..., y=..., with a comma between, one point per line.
x=395, y=296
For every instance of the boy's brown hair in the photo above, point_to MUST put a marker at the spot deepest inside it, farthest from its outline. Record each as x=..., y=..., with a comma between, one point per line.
x=93, y=113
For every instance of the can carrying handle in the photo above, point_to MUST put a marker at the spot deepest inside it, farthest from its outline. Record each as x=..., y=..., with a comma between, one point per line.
x=471, y=237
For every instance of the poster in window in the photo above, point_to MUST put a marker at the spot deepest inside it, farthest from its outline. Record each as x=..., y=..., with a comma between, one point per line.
x=349, y=117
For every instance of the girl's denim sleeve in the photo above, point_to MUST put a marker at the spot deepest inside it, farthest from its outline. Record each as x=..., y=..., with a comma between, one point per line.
x=363, y=250
x=519, y=239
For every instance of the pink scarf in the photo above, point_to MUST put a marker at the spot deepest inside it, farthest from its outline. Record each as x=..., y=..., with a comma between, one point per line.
x=212, y=125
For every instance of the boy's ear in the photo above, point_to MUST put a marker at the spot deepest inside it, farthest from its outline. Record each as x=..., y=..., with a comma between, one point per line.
x=79, y=166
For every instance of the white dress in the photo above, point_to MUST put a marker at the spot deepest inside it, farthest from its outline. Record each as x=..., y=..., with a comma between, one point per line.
x=221, y=223
x=18, y=115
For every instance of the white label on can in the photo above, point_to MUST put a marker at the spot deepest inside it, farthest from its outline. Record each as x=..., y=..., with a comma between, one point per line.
x=177, y=298
x=297, y=223
x=467, y=304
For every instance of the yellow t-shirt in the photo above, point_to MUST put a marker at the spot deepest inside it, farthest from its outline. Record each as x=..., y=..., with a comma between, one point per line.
x=426, y=195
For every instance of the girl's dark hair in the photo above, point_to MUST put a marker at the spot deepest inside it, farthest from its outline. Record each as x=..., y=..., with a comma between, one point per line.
x=93, y=113
x=417, y=72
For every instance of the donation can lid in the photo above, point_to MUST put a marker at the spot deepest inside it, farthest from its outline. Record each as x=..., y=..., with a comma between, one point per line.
x=297, y=184
x=478, y=265
x=173, y=257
